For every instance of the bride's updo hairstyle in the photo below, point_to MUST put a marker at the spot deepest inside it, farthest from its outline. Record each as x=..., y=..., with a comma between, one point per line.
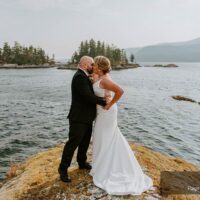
x=103, y=64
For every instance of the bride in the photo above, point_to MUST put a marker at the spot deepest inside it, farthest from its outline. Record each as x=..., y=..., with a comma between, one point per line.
x=115, y=169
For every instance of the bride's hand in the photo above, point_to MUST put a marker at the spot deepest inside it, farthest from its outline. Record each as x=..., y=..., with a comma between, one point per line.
x=107, y=107
x=108, y=99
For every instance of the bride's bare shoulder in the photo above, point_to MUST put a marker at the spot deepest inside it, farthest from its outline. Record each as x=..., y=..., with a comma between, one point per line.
x=107, y=79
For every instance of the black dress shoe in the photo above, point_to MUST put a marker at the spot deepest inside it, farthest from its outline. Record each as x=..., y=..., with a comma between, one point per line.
x=85, y=166
x=64, y=175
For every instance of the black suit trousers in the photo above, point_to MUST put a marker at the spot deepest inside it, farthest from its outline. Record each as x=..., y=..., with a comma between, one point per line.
x=79, y=136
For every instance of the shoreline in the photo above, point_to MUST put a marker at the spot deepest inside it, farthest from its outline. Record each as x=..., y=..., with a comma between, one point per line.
x=37, y=177
x=118, y=67
x=25, y=66
x=74, y=67
x=63, y=67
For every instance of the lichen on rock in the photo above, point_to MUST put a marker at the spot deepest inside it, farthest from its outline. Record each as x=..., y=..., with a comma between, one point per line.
x=37, y=177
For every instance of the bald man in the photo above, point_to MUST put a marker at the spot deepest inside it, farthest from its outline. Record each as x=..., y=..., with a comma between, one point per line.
x=81, y=116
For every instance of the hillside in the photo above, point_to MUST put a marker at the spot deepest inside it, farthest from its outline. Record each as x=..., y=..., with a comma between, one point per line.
x=187, y=51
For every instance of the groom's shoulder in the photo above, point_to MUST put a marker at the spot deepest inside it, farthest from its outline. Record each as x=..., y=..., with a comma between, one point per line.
x=79, y=73
x=78, y=77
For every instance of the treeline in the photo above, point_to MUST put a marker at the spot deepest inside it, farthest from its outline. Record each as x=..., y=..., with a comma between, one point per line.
x=92, y=48
x=22, y=55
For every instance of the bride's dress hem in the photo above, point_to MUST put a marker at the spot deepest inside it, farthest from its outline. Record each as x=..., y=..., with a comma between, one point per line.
x=120, y=193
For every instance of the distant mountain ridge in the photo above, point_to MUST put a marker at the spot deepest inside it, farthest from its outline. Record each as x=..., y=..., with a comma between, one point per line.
x=186, y=51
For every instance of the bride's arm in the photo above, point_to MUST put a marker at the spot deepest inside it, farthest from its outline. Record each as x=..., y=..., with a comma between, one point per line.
x=108, y=84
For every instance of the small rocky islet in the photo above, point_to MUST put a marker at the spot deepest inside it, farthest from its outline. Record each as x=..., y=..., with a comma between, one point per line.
x=162, y=65
x=183, y=98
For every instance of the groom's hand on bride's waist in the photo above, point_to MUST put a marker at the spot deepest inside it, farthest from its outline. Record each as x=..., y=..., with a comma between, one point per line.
x=108, y=100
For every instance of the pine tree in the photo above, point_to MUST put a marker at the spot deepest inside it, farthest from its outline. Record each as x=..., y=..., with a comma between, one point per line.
x=92, y=48
x=116, y=56
x=108, y=51
x=23, y=55
x=1, y=56
x=75, y=58
x=81, y=49
x=103, y=50
x=132, y=58
x=98, y=48
x=16, y=54
x=7, y=53
x=124, y=59
x=85, y=48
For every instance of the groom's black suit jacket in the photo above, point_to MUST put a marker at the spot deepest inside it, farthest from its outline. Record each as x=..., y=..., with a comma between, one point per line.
x=83, y=105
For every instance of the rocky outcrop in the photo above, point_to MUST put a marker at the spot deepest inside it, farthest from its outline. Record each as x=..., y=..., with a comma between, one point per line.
x=37, y=178
x=127, y=66
x=182, y=98
x=26, y=66
x=166, y=66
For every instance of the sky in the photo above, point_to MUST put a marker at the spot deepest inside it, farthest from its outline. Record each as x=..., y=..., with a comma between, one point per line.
x=58, y=26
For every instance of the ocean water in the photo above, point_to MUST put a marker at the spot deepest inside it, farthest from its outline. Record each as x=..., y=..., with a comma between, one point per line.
x=34, y=104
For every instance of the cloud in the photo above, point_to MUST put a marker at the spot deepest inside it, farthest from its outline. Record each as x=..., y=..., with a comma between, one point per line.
x=60, y=25
x=42, y=5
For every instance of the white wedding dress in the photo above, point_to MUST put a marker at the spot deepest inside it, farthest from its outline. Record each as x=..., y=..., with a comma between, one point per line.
x=114, y=166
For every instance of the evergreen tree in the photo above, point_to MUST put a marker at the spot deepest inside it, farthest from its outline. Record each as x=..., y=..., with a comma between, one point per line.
x=132, y=58
x=75, y=58
x=26, y=59
x=86, y=48
x=7, y=53
x=1, y=55
x=108, y=52
x=93, y=49
x=81, y=49
x=98, y=48
x=116, y=56
x=23, y=55
x=17, y=54
x=124, y=59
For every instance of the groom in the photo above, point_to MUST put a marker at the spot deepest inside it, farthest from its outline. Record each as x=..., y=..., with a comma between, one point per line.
x=81, y=116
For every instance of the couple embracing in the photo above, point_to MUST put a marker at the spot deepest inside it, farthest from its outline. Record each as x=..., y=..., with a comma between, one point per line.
x=115, y=168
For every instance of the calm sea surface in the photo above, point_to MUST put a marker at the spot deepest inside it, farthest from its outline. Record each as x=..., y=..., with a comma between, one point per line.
x=34, y=104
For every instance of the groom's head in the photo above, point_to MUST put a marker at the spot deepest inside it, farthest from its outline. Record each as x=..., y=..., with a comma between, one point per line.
x=86, y=63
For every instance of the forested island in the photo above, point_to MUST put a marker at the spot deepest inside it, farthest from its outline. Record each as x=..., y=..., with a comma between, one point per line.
x=18, y=56
x=94, y=48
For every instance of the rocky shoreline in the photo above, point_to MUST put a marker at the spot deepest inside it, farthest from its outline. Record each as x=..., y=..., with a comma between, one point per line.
x=119, y=67
x=61, y=66
x=16, y=66
x=37, y=178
